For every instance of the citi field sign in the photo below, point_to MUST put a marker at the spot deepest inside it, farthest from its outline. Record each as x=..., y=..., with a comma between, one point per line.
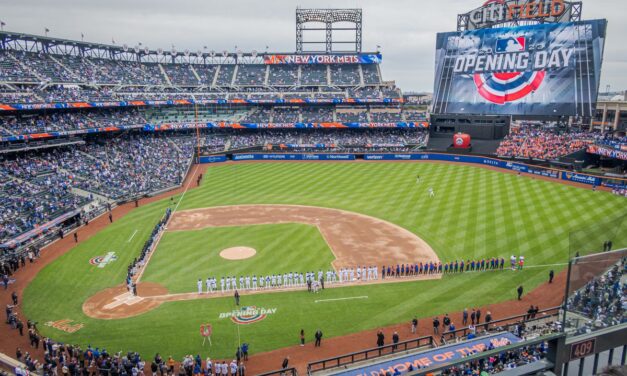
x=501, y=11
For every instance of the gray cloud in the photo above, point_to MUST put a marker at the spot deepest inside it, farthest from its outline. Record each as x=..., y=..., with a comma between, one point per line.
x=404, y=28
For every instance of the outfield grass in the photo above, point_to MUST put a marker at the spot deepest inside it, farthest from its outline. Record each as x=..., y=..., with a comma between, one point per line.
x=476, y=213
x=184, y=256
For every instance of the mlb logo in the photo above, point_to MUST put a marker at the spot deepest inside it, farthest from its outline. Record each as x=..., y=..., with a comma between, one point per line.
x=510, y=44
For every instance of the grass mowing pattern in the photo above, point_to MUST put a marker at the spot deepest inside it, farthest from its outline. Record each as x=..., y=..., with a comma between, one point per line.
x=476, y=213
x=184, y=256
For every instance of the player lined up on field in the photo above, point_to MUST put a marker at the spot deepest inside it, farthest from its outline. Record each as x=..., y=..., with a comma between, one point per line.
x=348, y=275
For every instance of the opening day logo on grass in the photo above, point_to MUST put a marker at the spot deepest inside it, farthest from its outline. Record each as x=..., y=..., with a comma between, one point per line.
x=102, y=261
x=248, y=315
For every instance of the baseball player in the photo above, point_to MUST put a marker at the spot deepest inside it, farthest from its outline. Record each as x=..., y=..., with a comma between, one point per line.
x=234, y=282
x=375, y=272
x=222, y=284
x=247, y=282
x=228, y=283
x=208, y=367
x=241, y=281
x=208, y=284
x=233, y=367
x=255, y=282
x=261, y=281
x=417, y=179
x=268, y=281
x=199, y=283
x=431, y=192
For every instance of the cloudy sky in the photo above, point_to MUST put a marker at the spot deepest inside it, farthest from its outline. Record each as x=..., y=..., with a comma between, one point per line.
x=405, y=29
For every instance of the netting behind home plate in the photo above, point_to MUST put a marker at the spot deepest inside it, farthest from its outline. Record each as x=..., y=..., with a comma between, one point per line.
x=593, y=299
x=594, y=291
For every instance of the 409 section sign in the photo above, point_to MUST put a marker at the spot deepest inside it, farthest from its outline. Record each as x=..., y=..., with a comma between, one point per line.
x=102, y=261
x=248, y=315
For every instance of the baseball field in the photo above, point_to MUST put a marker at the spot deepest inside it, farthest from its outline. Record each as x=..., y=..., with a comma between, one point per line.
x=305, y=217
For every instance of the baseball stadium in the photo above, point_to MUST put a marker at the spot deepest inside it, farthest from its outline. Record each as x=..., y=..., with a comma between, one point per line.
x=240, y=212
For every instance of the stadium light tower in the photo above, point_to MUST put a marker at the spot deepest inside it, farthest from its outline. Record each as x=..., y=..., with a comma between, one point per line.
x=329, y=17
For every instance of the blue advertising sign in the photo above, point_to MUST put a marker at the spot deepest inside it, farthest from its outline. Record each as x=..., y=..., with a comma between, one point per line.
x=435, y=357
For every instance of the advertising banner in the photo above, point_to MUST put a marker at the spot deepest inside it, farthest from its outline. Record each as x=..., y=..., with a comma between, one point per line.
x=435, y=357
x=607, y=152
x=293, y=157
x=548, y=69
x=212, y=158
x=323, y=59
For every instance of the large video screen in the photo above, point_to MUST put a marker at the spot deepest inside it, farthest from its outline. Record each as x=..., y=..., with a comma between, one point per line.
x=546, y=69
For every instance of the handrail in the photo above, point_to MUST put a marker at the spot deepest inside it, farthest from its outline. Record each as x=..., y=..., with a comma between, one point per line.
x=371, y=353
x=280, y=372
x=486, y=326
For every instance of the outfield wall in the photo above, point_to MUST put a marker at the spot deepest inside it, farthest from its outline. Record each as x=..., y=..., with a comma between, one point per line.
x=485, y=161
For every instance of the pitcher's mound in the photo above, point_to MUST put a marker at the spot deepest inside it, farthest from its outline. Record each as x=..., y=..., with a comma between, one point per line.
x=237, y=253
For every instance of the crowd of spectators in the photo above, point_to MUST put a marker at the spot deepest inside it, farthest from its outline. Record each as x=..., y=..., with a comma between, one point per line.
x=31, y=194
x=313, y=75
x=37, y=188
x=352, y=116
x=305, y=139
x=68, y=120
x=317, y=114
x=181, y=74
x=371, y=74
x=283, y=75
x=539, y=142
x=603, y=300
x=345, y=74
x=500, y=362
x=251, y=74
x=127, y=167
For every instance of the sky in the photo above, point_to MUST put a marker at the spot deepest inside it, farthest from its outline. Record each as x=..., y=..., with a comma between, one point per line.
x=405, y=29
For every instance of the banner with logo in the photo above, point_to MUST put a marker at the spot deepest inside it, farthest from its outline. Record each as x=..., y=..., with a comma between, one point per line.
x=545, y=69
x=431, y=358
x=323, y=59
x=294, y=157
x=607, y=152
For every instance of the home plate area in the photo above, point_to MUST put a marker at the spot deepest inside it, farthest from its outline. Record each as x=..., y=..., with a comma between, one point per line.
x=126, y=299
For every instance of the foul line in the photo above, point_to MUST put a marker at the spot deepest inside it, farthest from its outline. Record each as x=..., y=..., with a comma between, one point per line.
x=132, y=236
x=185, y=191
x=336, y=299
x=156, y=242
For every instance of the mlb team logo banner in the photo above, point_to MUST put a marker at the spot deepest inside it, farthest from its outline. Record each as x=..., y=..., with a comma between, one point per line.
x=323, y=59
x=545, y=69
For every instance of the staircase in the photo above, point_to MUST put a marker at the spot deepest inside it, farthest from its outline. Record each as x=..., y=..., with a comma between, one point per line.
x=361, y=75
x=215, y=76
x=265, y=79
x=195, y=73
x=78, y=79
x=234, y=74
x=165, y=75
x=26, y=68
